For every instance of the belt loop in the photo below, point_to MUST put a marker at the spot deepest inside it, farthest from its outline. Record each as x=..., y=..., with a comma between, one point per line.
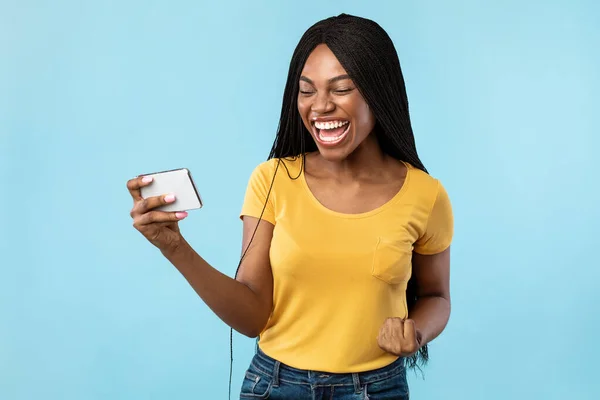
x=276, y=374
x=356, y=381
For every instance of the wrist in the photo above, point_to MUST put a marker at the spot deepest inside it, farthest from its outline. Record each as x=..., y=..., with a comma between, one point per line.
x=176, y=249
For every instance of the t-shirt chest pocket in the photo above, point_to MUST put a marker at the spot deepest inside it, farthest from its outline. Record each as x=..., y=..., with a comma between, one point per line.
x=392, y=261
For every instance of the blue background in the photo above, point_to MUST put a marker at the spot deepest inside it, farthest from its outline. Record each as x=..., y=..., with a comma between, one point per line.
x=505, y=105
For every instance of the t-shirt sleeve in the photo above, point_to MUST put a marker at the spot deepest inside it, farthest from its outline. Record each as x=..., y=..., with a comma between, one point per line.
x=439, y=229
x=257, y=190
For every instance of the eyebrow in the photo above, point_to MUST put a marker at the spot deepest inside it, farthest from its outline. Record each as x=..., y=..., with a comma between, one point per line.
x=332, y=80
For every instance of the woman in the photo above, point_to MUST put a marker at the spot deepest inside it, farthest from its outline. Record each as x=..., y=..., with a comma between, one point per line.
x=345, y=271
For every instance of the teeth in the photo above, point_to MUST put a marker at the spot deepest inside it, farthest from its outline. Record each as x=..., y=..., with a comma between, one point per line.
x=330, y=125
x=329, y=138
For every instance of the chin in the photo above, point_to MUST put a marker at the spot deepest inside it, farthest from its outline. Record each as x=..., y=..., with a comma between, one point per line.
x=332, y=155
x=335, y=154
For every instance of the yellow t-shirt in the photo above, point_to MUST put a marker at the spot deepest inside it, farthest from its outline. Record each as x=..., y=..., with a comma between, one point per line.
x=337, y=276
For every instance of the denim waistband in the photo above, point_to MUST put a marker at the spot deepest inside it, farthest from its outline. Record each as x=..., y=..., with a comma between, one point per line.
x=282, y=372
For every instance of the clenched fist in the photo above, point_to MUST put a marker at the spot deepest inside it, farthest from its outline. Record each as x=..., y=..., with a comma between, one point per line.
x=399, y=337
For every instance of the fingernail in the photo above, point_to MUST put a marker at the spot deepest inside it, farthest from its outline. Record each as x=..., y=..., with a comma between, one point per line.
x=170, y=198
x=147, y=179
x=181, y=215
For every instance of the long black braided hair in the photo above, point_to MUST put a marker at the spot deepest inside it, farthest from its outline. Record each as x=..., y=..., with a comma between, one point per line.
x=369, y=56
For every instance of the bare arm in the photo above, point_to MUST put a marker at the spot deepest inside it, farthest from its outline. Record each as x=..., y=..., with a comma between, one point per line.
x=244, y=303
x=432, y=309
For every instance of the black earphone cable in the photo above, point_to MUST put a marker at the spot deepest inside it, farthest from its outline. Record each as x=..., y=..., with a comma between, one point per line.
x=252, y=238
x=238, y=268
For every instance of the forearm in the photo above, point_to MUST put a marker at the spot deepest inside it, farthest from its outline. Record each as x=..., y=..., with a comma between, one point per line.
x=232, y=301
x=431, y=314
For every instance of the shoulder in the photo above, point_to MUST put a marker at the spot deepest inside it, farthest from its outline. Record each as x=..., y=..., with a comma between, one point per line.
x=423, y=182
x=266, y=171
x=263, y=170
x=265, y=166
x=426, y=190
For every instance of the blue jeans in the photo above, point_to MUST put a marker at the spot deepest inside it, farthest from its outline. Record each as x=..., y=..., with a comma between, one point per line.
x=267, y=378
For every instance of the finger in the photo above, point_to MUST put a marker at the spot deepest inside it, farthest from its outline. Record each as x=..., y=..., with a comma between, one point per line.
x=387, y=332
x=384, y=329
x=134, y=185
x=144, y=205
x=398, y=328
x=159, y=216
x=381, y=336
x=410, y=331
x=395, y=339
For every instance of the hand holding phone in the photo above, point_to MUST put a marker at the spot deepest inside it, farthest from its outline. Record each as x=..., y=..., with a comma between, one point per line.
x=160, y=201
x=177, y=182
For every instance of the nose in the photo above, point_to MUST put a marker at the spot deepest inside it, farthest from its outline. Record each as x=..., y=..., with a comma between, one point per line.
x=322, y=104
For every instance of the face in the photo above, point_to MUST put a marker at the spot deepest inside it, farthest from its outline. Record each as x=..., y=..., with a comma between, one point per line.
x=331, y=107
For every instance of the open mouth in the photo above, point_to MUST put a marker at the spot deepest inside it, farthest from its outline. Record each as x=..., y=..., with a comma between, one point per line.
x=331, y=132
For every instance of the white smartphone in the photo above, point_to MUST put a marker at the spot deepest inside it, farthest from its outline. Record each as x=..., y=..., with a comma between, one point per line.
x=178, y=182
